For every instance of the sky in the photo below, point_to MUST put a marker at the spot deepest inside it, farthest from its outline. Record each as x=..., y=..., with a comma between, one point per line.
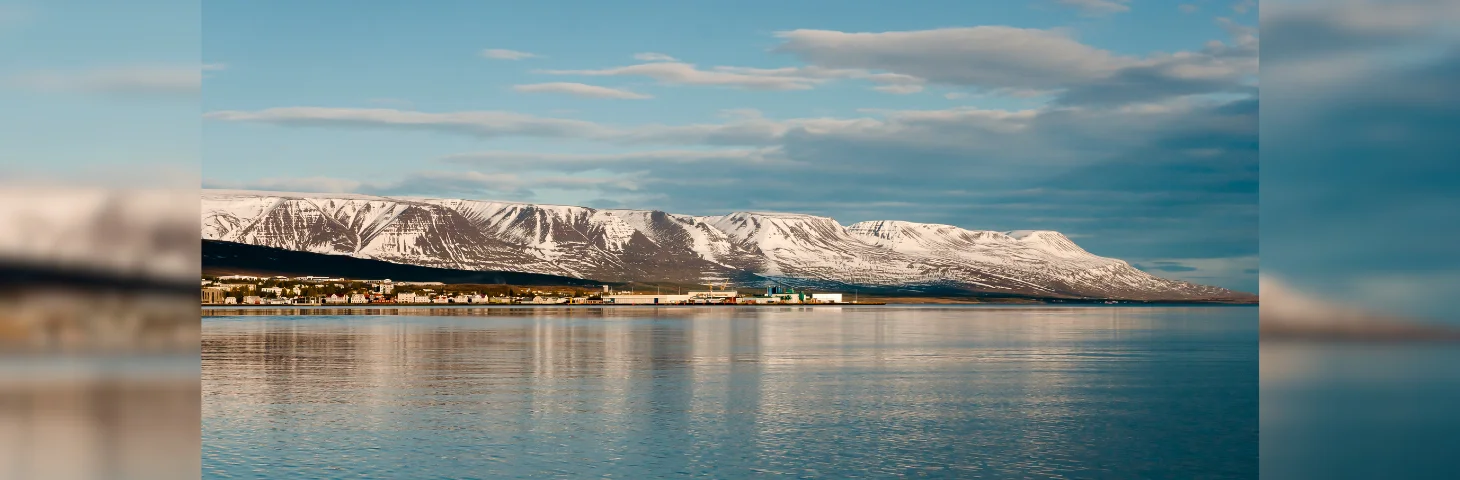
x=100, y=92
x=1129, y=126
x=1360, y=185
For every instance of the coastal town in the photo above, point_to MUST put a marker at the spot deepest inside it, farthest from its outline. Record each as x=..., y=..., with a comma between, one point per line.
x=317, y=290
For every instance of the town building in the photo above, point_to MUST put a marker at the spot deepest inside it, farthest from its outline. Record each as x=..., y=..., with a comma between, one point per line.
x=827, y=297
x=213, y=296
x=633, y=299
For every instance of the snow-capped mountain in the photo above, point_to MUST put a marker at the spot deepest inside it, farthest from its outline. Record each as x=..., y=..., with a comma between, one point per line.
x=744, y=248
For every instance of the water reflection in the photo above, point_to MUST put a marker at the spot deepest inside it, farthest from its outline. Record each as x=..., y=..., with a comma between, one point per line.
x=1091, y=392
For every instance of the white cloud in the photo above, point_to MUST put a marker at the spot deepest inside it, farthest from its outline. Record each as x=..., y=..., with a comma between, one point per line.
x=480, y=123
x=955, y=95
x=302, y=184
x=1098, y=7
x=654, y=57
x=991, y=56
x=119, y=80
x=1188, y=8
x=580, y=90
x=616, y=161
x=435, y=182
x=504, y=54
x=899, y=89
x=1243, y=6
x=678, y=73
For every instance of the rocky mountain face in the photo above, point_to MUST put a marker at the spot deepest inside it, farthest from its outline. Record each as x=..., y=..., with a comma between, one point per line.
x=743, y=248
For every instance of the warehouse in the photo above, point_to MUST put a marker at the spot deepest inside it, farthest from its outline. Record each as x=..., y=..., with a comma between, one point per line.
x=631, y=299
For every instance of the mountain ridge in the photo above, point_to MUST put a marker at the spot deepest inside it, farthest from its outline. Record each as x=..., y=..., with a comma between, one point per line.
x=745, y=248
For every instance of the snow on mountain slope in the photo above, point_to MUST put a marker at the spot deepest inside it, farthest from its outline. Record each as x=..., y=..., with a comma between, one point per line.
x=642, y=245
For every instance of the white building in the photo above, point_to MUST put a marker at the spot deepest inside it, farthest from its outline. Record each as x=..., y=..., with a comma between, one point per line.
x=230, y=300
x=333, y=298
x=631, y=299
x=358, y=298
x=253, y=300
x=405, y=298
x=273, y=290
x=827, y=297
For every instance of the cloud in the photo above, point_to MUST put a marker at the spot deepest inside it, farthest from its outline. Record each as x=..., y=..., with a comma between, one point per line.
x=1375, y=81
x=437, y=183
x=1242, y=6
x=618, y=161
x=987, y=56
x=654, y=57
x=580, y=90
x=1098, y=7
x=1230, y=270
x=300, y=184
x=678, y=73
x=134, y=80
x=899, y=89
x=955, y=95
x=504, y=54
x=478, y=123
x=1188, y=8
x=1000, y=59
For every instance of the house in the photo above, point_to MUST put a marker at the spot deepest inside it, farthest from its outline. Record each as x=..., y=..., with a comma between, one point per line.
x=333, y=298
x=230, y=300
x=405, y=298
x=233, y=287
x=253, y=300
x=358, y=298
x=273, y=290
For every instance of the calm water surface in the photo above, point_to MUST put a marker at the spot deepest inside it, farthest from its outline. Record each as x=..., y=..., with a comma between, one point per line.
x=724, y=392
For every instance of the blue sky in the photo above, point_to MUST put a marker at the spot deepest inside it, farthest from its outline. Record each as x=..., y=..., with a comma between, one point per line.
x=94, y=90
x=1130, y=126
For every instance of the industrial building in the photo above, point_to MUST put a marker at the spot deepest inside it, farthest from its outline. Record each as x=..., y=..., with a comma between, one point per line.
x=633, y=299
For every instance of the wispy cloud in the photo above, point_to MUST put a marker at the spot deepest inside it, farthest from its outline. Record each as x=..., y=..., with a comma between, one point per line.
x=679, y=73
x=616, y=161
x=654, y=57
x=1098, y=7
x=143, y=80
x=580, y=90
x=899, y=89
x=504, y=54
x=998, y=58
x=436, y=182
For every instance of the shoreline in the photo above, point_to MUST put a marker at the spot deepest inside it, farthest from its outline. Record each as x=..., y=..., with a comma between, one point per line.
x=791, y=305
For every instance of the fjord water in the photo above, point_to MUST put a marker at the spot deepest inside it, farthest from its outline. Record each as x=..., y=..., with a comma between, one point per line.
x=729, y=392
